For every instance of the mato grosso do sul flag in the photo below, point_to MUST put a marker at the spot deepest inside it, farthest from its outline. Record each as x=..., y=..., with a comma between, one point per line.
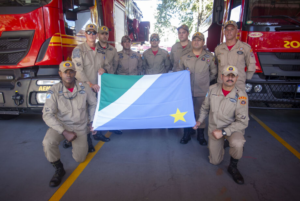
x=144, y=101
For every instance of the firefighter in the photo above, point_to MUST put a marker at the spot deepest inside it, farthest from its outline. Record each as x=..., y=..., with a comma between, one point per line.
x=236, y=53
x=88, y=59
x=227, y=106
x=201, y=65
x=155, y=59
x=181, y=48
x=130, y=62
x=69, y=104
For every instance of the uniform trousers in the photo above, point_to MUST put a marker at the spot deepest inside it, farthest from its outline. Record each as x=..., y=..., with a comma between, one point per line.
x=52, y=140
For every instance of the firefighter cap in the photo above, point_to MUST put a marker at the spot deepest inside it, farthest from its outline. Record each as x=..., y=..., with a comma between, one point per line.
x=231, y=22
x=66, y=65
x=154, y=35
x=91, y=27
x=125, y=38
x=185, y=27
x=103, y=29
x=198, y=35
x=230, y=70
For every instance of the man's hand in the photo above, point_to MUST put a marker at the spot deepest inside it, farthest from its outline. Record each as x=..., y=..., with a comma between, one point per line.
x=95, y=87
x=101, y=71
x=70, y=136
x=217, y=134
x=92, y=130
x=197, y=125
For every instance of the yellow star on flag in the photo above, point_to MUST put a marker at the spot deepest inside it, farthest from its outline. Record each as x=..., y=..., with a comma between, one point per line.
x=178, y=116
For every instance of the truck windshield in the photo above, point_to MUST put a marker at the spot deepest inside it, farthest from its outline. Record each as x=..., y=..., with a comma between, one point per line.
x=273, y=12
x=23, y=2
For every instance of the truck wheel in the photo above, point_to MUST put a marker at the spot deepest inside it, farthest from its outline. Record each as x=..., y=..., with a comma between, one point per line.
x=7, y=117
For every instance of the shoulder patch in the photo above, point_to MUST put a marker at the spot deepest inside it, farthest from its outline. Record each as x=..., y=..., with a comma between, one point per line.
x=243, y=98
x=48, y=96
x=243, y=102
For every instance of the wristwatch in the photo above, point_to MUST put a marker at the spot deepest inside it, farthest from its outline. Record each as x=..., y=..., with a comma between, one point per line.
x=224, y=133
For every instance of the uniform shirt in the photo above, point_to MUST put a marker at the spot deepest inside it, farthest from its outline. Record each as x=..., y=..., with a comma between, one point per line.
x=129, y=64
x=62, y=114
x=156, y=64
x=177, y=52
x=240, y=55
x=229, y=113
x=88, y=62
x=203, y=69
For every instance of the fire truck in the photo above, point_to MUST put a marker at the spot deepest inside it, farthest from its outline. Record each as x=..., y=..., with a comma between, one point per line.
x=272, y=28
x=36, y=35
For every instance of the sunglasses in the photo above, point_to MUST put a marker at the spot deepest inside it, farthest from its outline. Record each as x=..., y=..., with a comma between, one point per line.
x=154, y=39
x=91, y=32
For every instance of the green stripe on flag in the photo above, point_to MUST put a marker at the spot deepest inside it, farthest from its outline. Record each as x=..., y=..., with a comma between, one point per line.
x=114, y=86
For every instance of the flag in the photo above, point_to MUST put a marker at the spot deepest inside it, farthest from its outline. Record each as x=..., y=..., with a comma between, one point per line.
x=144, y=101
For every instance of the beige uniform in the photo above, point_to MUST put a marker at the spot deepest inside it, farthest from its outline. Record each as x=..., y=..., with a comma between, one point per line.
x=203, y=70
x=240, y=56
x=229, y=113
x=88, y=62
x=129, y=64
x=60, y=114
x=177, y=52
x=156, y=64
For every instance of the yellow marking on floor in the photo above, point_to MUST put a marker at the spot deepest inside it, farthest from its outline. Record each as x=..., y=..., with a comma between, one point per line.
x=72, y=178
x=277, y=137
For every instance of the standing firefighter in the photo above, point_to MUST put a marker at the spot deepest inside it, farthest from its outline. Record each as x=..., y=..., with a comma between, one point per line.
x=181, y=48
x=88, y=59
x=235, y=53
x=155, y=59
x=227, y=106
x=68, y=107
x=130, y=62
x=202, y=67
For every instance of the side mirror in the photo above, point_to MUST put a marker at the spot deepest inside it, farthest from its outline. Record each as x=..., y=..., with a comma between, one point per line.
x=87, y=3
x=71, y=15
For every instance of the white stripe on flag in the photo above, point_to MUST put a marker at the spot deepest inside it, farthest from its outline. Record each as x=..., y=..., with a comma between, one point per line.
x=121, y=104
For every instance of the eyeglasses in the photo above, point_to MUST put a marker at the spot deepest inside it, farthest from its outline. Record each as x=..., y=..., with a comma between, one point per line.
x=91, y=32
x=154, y=39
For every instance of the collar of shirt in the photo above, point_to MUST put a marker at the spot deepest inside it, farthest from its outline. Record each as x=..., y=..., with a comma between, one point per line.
x=231, y=94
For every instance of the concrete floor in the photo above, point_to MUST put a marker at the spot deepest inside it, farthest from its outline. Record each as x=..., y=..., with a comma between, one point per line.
x=152, y=165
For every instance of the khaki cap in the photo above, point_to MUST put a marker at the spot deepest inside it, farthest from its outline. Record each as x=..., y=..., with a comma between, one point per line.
x=125, y=38
x=103, y=29
x=230, y=70
x=91, y=27
x=154, y=35
x=66, y=65
x=199, y=35
x=185, y=27
x=230, y=22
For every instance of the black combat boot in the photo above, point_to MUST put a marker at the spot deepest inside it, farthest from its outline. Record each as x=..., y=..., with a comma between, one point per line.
x=117, y=132
x=90, y=143
x=200, y=137
x=235, y=173
x=59, y=173
x=192, y=131
x=67, y=144
x=100, y=137
x=186, y=136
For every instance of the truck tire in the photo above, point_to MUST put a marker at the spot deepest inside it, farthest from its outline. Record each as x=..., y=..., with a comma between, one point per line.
x=7, y=117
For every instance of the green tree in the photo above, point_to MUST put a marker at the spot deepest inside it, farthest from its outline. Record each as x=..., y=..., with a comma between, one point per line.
x=189, y=12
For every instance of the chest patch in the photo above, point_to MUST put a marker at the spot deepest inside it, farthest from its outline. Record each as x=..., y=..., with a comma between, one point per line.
x=207, y=56
x=233, y=100
x=82, y=92
x=240, y=52
x=203, y=59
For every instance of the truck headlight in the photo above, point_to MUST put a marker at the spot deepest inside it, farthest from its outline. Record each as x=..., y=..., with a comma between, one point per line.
x=41, y=98
x=248, y=87
x=47, y=82
x=258, y=88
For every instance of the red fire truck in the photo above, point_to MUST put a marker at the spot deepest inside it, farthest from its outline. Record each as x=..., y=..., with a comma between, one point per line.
x=36, y=35
x=272, y=28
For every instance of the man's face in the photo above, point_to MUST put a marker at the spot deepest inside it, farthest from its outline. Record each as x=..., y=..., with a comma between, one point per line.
x=154, y=42
x=68, y=76
x=103, y=37
x=230, y=32
x=126, y=45
x=197, y=43
x=229, y=80
x=91, y=36
x=183, y=35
